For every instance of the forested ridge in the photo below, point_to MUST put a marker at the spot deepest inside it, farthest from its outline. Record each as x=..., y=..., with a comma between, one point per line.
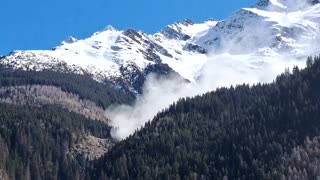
x=265, y=131
x=41, y=126
x=39, y=95
x=103, y=94
x=34, y=142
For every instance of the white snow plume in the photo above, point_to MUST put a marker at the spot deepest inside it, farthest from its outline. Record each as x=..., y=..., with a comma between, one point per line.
x=158, y=93
x=221, y=70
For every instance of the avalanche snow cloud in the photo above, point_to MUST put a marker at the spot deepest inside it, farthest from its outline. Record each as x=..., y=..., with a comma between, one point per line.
x=275, y=47
x=221, y=70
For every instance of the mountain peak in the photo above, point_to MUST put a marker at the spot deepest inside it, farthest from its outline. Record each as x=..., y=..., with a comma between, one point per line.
x=187, y=22
x=292, y=5
x=210, y=20
x=109, y=28
x=176, y=30
x=69, y=40
x=263, y=3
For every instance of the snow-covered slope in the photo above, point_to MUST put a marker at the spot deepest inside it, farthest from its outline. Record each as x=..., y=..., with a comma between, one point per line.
x=121, y=55
x=268, y=28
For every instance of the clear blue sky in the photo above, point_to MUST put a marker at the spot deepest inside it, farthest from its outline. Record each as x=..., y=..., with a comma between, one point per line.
x=43, y=24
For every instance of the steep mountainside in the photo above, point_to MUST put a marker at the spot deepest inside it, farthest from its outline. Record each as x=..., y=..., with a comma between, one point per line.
x=268, y=28
x=122, y=57
x=267, y=131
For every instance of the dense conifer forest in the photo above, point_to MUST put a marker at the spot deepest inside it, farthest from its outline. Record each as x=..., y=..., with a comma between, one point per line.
x=103, y=94
x=265, y=131
x=34, y=142
x=38, y=134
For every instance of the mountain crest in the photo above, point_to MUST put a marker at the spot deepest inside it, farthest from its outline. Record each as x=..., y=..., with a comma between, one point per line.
x=109, y=28
x=187, y=22
x=288, y=5
x=70, y=40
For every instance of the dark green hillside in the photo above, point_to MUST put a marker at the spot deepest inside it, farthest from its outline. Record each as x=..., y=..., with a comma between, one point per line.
x=82, y=85
x=34, y=142
x=242, y=132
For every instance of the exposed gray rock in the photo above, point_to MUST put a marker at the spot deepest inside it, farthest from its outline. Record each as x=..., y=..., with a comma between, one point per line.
x=90, y=147
x=195, y=48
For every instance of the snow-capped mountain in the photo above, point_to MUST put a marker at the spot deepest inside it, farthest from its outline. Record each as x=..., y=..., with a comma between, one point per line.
x=122, y=56
x=268, y=28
